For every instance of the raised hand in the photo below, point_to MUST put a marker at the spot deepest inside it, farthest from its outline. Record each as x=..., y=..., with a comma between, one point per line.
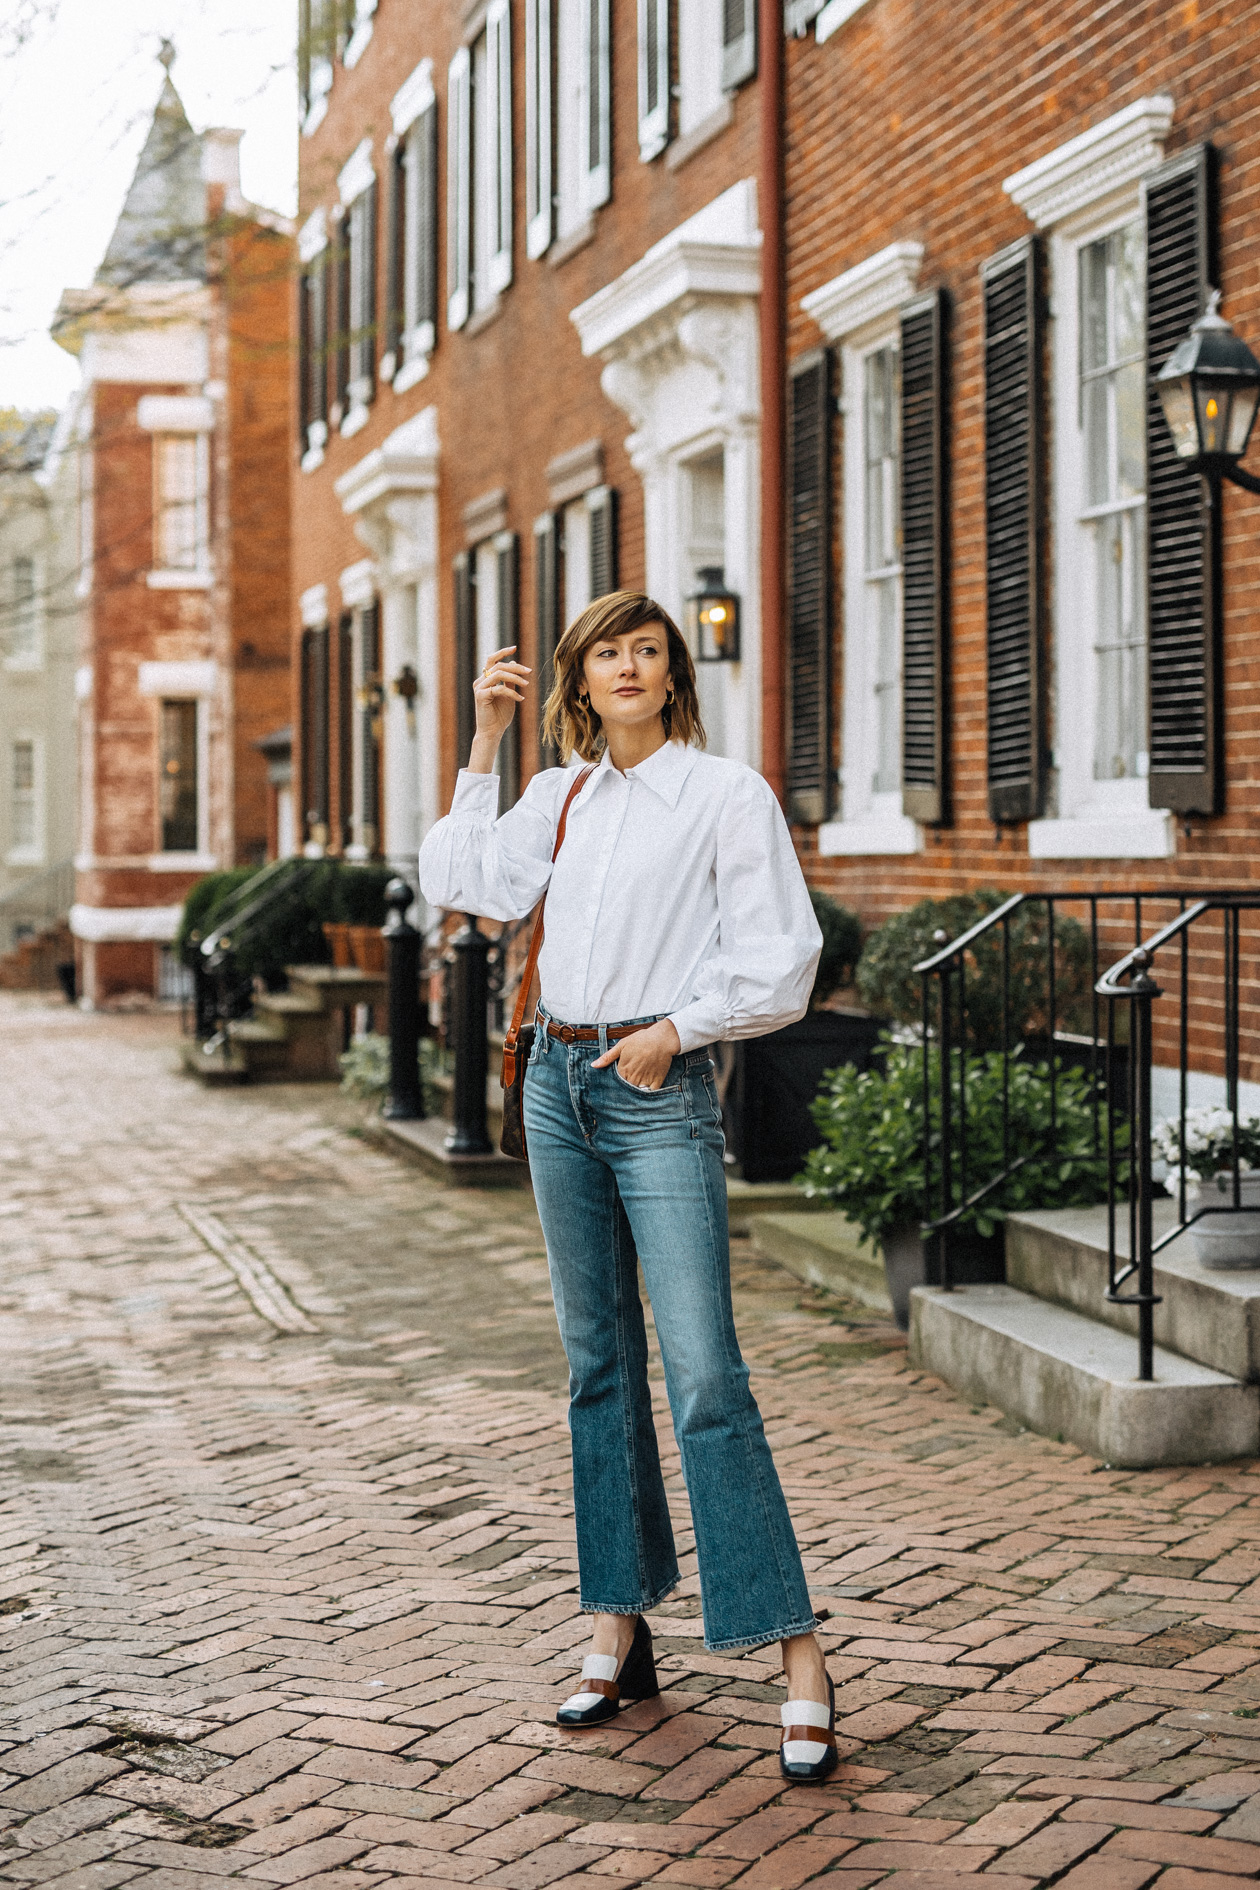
x=500, y=686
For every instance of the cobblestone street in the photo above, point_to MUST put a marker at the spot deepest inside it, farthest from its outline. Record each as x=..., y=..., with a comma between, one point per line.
x=287, y=1570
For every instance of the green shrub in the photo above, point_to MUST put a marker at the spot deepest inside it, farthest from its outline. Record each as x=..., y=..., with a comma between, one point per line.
x=358, y=894
x=841, y=946
x=204, y=900
x=871, y=1164
x=365, y=1070
x=888, y=984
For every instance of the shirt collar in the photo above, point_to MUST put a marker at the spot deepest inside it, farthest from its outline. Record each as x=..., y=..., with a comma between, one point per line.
x=664, y=772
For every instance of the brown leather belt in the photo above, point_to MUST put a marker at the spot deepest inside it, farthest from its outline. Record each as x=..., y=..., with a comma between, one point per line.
x=579, y=1033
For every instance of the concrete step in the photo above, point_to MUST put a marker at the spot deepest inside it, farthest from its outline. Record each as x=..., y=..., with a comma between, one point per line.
x=215, y=1068
x=288, y=1004
x=1061, y=1255
x=334, y=987
x=747, y=1201
x=424, y=1143
x=263, y=1027
x=1076, y=1379
x=823, y=1248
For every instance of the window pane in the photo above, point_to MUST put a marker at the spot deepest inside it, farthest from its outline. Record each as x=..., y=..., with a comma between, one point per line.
x=887, y=687
x=178, y=502
x=881, y=460
x=22, y=639
x=178, y=787
x=1120, y=643
x=22, y=803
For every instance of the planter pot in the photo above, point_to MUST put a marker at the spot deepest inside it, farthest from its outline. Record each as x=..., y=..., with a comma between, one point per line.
x=910, y=1261
x=367, y=948
x=768, y=1125
x=338, y=937
x=1228, y=1241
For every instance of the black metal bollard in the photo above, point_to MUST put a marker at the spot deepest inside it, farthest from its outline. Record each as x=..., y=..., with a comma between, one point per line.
x=405, y=1102
x=1143, y=990
x=472, y=1051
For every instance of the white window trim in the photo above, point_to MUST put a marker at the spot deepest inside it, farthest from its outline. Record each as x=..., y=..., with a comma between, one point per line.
x=413, y=97
x=458, y=188
x=361, y=38
x=538, y=129
x=499, y=131
x=357, y=174
x=199, y=576
x=654, y=124
x=595, y=179
x=868, y=822
x=173, y=680
x=830, y=18
x=28, y=662
x=35, y=853
x=313, y=237
x=1083, y=191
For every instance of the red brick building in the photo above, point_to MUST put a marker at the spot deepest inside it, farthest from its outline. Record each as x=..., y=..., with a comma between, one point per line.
x=530, y=256
x=999, y=222
x=181, y=421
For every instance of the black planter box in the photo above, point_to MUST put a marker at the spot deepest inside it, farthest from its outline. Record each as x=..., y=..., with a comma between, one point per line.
x=768, y=1125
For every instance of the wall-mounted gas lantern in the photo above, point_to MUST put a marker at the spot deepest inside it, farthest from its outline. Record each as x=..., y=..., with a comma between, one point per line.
x=713, y=619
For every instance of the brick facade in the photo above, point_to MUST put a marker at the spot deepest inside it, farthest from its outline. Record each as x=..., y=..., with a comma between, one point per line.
x=903, y=126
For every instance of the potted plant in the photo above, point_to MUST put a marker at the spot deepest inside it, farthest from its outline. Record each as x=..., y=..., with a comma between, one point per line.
x=1227, y=1237
x=776, y=1077
x=871, y=1164
x=361, y=908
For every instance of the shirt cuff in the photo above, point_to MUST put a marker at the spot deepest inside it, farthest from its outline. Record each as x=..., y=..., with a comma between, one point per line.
x=697, y=1024
x=476, y=794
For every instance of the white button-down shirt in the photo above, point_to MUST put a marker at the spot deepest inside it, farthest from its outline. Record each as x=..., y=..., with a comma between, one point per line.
x=677, y=891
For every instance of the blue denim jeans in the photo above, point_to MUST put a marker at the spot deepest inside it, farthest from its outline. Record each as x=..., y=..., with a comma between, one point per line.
x=624, y=1175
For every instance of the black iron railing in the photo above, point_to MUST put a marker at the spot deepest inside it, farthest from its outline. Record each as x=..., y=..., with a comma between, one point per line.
x=1061, y=981
x=222, y=991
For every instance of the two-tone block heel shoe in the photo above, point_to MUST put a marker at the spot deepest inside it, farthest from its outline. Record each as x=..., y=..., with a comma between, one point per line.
x=808, y=1753
x=607, y=1682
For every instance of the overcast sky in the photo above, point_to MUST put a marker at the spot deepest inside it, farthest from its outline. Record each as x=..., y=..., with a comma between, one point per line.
x=78, y=83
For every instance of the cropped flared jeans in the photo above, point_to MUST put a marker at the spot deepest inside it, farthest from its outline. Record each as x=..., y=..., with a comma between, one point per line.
x=624, y=1175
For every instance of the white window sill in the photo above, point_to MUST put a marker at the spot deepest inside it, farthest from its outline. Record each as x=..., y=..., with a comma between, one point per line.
x=360, y=40
x=312, y=458
x=411, y=373
x=886, y=834
x=355, y=421
x=23, y=665
x=1131, y=834
x=315, y=116
x=179, y=580
x=183, y=862
x=25, y=856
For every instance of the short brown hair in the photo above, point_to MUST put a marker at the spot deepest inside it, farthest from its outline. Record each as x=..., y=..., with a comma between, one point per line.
x=568, y=724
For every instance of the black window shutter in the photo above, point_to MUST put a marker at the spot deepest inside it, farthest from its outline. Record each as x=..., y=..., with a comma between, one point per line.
x=809, y=589
x=367, y=351
x=739, y=42
x=305, y=293
x=317, y=775
x=341, y=313
x=507, y=551
x=345, y=727
x=602, y=506
x=1184, y=660
x=306, y=732
x=1012, y=499
x=395, y=189
x=426, y=234
x=373, y=709
x=319, y=338
x=465, y=656
x=546, y=621
x=925, y=666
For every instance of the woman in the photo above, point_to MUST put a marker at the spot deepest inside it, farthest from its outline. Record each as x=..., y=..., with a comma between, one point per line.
x=676, y=916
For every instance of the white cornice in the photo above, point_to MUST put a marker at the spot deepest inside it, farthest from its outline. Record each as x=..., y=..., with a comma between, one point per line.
x=313, y=606
x=866, y=293
x=405, y=461
x=313, y=236
x=1108, y=156
x=414, y=95
x=357, y=584
x=356, y=174
x=715, y=253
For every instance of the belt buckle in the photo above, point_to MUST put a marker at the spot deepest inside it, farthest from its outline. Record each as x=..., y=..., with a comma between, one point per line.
x=566, y=1033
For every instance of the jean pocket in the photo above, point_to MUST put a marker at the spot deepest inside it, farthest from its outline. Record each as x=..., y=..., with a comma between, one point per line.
x=666, y=1089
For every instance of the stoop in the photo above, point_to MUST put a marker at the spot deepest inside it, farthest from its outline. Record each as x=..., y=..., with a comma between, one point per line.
x=1075, y=1378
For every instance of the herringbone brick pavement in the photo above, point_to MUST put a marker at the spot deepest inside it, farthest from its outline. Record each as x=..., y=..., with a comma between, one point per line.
x=287, y=1561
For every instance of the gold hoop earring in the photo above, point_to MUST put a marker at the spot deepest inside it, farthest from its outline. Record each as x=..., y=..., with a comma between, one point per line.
x=585, y=701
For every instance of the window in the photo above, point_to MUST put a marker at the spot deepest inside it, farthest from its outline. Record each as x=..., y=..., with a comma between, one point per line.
x=1113, y=428
x=700, y=25
x=653, y=77
x=22, y=641
x=537, y=126
x=479, y=132
x=181, y=501
x=583, y=122
x=413, y=233
x=179, y=790
x=881, y=400
x=23, y=814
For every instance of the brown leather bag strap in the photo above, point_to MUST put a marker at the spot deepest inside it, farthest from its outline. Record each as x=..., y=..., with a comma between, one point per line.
x=535, y=943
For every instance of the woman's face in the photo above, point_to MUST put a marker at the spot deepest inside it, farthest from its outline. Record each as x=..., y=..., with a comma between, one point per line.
x=627, y=677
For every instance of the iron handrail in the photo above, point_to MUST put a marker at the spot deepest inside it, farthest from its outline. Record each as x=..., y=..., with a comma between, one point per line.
x=280, y=878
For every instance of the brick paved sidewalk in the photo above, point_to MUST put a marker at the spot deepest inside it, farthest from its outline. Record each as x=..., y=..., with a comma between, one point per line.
x=287, y=1565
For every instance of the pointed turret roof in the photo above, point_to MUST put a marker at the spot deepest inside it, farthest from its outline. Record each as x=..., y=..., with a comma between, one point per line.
x=160, y=234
